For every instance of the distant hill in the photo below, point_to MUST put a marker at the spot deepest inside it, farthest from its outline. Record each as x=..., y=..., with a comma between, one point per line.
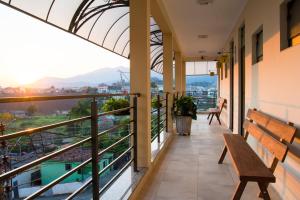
x=157, y=80
x=204, y=78
x=111, y=75
x=103, y=75
x=205, y=81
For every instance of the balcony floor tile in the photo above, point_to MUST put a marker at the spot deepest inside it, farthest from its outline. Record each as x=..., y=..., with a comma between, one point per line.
x=190, y=171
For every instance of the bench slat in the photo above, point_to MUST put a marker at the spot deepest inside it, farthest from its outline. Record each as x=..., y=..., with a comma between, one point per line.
x=247, y=164
x=278, y=128
x=278, y=149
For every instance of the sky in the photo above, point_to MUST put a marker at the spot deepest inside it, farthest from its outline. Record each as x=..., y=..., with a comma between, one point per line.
x=31, y=50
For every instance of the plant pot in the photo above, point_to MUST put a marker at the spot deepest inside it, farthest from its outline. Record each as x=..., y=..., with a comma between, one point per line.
x=183, y=124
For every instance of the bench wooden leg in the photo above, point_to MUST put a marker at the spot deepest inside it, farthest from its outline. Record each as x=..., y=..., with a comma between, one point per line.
x=239, y=190
x=212, y=116
x=223, y=155
x=218, y=118
x=263, y=191
x=208, y=116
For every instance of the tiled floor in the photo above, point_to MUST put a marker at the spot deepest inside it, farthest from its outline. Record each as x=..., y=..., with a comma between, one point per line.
x=190, y=171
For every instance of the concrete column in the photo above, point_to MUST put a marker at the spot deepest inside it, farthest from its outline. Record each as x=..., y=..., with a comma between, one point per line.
x=168, y=73
x=140, y=75
x=178, y=72
x=183, y=74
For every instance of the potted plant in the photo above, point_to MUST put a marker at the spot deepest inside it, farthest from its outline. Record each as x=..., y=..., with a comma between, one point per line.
x=185, y=111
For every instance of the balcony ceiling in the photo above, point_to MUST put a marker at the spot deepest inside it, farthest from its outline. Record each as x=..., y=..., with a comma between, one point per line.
x=190, y=19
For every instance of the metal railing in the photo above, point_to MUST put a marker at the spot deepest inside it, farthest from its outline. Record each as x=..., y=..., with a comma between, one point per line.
x=159, y=115
x=7, y=174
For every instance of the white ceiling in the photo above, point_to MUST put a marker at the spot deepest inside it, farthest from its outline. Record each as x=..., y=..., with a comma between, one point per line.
x=190, y=19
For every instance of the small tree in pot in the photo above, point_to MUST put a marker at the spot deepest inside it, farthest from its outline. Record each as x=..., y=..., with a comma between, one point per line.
x=186, y=110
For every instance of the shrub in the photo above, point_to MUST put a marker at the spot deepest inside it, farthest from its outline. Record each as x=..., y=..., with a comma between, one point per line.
x=116, y=104
x=155, y=103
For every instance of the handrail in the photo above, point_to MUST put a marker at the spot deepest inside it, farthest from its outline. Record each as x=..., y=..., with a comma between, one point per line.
x=154, y=137
x=52, y=155
x=40, y=160
x=115, y=144
x=114, y=111
x=79, y=189
x=59, y=97
x=113, y=179
x=155, y=110
x=115, y=160
x=86, y=184
x=156, y=120
x=52, y=126
x=56, y=181
x=42, y=128
x=94, y=137
x=62, y=177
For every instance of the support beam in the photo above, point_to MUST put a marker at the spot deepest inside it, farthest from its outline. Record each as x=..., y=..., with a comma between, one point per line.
x=183, y=77
x=140, y=75
x=168, y=73
x=178, y=72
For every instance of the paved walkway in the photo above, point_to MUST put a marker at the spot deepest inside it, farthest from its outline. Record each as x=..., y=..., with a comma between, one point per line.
x=190, y=171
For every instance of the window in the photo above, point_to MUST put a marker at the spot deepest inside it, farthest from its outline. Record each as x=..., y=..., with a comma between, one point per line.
x=293, y=24
x=289, y=23
x=36, y=178
x=79, y=171
x=257, y=45
x=68, y=167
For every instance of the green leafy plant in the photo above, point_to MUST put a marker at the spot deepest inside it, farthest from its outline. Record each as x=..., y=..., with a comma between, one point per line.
x=155, y=103
x=31, y=110
x=116, y=104
x=186, y=107
x=83, y=108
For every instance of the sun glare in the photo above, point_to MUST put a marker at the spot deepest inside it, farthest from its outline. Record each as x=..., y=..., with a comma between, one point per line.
x=41, y=51
x=25, y=77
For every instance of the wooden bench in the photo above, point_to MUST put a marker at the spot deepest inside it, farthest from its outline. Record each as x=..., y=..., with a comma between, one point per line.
x=216, y=111
x=273, y=135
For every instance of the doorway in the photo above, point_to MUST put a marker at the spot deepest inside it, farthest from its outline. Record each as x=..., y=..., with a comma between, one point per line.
x=241, y=80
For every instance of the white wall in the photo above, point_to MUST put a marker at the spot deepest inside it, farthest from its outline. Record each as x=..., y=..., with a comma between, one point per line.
x=64, y=188
x=272, y=85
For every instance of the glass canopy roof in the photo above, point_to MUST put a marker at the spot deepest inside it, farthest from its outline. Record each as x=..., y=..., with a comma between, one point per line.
x=102, y=22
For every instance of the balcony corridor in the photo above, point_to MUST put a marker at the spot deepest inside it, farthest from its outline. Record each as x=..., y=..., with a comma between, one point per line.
x=190, y=171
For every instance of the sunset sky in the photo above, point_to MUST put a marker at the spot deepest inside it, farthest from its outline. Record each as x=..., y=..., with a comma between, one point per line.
x=30, y=50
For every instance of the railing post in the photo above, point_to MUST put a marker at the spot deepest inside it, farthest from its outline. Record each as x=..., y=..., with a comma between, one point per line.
x=158, y=118
x=95, y=146
x=5, y=166
x=167, y=110
x=135, y=164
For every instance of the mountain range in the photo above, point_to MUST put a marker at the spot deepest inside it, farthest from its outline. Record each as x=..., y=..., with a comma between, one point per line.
x=109, y=76
x=94, y=78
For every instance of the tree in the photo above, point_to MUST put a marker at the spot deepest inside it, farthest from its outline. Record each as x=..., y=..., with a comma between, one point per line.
x=83, y=108
x=116, y=104
x=31, y=110
x=6, y=117
x=154, y=85
x=92, y=90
